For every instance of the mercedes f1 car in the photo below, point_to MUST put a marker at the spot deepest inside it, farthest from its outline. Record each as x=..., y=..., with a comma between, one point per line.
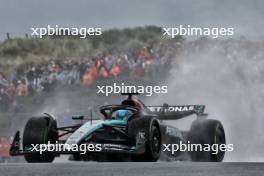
x=130, y=131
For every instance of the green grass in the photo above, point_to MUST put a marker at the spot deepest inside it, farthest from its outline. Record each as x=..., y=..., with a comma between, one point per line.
x=19, y=52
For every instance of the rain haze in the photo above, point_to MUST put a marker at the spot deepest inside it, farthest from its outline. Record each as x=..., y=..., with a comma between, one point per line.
x=231, y=87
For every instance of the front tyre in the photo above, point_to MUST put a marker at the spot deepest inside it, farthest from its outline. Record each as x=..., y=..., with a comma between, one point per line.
x=151, y=128
x=39, y=130
x=153, y=144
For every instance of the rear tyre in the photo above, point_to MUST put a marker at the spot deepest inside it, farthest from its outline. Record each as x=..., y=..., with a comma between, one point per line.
x=207, y=132
x=39, y=130
x=150, y=127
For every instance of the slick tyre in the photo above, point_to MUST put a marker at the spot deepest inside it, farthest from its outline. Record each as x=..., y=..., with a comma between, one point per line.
x=149, y=126
x=206, y=132
x=39, y=130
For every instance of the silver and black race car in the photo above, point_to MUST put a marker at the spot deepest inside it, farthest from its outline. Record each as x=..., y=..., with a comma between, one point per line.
x=129, y=131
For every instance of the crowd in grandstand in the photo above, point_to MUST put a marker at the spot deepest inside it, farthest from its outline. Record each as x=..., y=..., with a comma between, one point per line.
x=146, y=61
x=32, y=79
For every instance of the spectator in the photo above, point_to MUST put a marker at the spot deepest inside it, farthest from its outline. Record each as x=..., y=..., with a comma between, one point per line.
x=44, y=77
x=103, y=73
x=4, y=101
x=21, y=89
x=90, y=76
x=31, y=75
x=116, y=70
x=3, y=81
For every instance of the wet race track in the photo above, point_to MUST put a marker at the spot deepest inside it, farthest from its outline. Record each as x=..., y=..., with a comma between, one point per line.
x=128, y=168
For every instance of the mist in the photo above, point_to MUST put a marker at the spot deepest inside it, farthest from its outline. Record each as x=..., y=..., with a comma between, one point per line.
x=230, y=84
x=224, y=75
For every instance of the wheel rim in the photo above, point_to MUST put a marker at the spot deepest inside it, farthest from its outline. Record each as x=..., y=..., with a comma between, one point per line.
x=155, y=141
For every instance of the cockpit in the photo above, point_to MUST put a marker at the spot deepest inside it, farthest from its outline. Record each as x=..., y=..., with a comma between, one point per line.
x=118, y=112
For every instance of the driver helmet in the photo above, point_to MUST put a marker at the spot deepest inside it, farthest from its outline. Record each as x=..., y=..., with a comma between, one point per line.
x=122, y=114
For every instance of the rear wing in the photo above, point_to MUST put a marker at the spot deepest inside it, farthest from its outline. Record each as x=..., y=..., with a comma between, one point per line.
x=167, y=112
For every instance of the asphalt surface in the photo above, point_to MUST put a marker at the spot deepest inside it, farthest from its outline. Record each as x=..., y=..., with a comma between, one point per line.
x=128, y=168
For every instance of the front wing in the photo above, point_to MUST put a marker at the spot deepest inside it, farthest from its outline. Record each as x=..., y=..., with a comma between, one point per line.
x=139, y=148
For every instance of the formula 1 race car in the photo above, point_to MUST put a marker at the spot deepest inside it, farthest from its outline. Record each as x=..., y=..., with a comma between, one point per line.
x=129, y=131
